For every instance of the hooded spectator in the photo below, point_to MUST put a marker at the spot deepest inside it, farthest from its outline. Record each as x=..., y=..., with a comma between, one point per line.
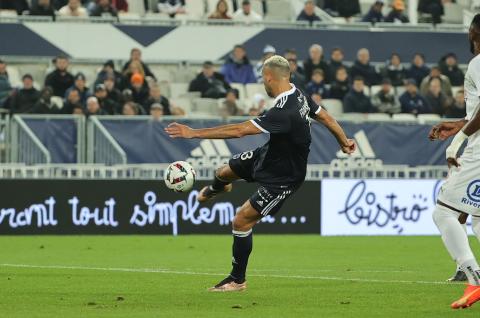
x=317, y=84
x=237, y=68
x=268, y=51
x=5, y=85
x=108, y=69
x=79, y=84
x=308, y=13
x=364, y=69
x=435, y=73
x=449, y=68
x=412, y=102
x=74, y=8
x=395, y=71
x=230, y=106
x=375, y=14
x=246, y=14
x=457, y=108
x=172, y=7
x=315, y=61
x=23, y=100
x=336, y=61
x=43, y=8
x=432, y=7
x=221, y=11
x=209, y=83
x=418, y=69
x=341, y=85
x=108, y=106
x=356, y=101
x=397, y=14
x=104, y=8
x=385, y=101
x=136, y=56
x=113, y=93
x=60, y=79
x=439, y=102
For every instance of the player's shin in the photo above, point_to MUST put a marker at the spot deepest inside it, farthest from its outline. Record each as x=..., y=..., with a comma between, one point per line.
x=218, y=184
x=456, y=242
x=242, y=247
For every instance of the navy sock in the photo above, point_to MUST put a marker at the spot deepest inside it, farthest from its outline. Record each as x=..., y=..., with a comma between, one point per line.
x=242, y=247
x=218, y=184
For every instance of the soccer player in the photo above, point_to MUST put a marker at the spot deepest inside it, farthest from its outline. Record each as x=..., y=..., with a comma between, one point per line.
x=279, y=166
x=460, y=194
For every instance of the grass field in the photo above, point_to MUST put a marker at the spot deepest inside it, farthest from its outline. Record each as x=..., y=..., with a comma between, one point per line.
x=290, y=276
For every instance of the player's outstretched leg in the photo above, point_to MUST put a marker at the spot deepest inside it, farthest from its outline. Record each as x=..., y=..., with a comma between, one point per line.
x=222, y=182
x=243, y=223
x=459, y=275
x=456, y=241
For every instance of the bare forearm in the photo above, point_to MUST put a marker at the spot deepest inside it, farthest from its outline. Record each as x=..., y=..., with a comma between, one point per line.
x=336, y=130
x=473, y=125
x=222, y=132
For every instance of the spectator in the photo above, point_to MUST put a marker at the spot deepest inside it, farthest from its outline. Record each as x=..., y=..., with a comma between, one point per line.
x=449, y=68
x=5, y=85
x=135, y=67
x=340, y=85
x=18, y=6
x=156, y=97
x=221, y=11
x=23, y=100
x=375, y=14
x=93, y=107
x=60, y=79
x=411, y=101
x=336, y=61
x=395, y=71
x=343, y=8
x=237, y=68
x=230, y=105
x=364, y=69
x=434, y=8
x=78, y=110
x=385, y=100
x=397, y=14
x=113, y=93
x=120, y=5
x=72, y=99
x=356, y=101
x=136, y=56
x=268, y=51
x=80, y=85
x=308, y=13
x=104, y=8
x=44, y=104
x=156, y=111
x=246, y=14
x=140, y=91
x=259, y=106
x=172, y=7
x=435, y=73
x=73, y=9
x=317, y=84
x=130, y=109
x=457, y=108
x=292, y=54
x=418, y=69
x=43, y=8
x=315, y=61
x=108, y=106
x=209, y=83
x=109, y=70
x=439, y=102
x=295, y=76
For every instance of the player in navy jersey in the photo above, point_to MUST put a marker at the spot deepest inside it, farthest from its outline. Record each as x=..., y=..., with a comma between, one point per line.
x=279, y=166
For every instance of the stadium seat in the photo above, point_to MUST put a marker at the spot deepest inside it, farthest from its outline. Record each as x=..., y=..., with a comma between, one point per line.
x=161, y=73
x=399, y=90
x=241, y=90
x=14, y=76
x=136, y=7
x=404, y=118
x=195, y=8
x=375, y=89
x=455, y=89
x=184, y=103
x=178, y=89
x=280, y=10
x=205, y=106
x=378, y=117
x=254, y=88
x=428, y=118
x=453, y=13
x=333, y=106
x=366, y=90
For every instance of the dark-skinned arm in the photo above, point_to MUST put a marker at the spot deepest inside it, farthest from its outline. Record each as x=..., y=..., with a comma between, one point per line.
x=176, y=130
x=471, y=127
x=347, y=145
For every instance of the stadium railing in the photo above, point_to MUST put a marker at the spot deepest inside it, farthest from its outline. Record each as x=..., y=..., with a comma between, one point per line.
x=25, y=145
x=101, y=146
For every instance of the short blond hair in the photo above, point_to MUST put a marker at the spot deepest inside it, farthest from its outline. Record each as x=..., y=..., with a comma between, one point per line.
x=278, y=64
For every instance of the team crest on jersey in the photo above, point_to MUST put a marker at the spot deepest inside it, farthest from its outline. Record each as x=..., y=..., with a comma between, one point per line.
x=473, y=194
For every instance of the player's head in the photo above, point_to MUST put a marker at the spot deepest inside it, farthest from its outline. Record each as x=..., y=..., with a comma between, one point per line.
x=474, y=34
x=276, y=71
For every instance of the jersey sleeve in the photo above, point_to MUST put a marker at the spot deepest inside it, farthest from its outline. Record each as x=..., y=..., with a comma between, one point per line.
x=275, y=121
x=314, y=107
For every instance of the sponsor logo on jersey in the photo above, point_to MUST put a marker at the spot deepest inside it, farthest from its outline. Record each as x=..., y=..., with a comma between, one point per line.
x=363, y=157
x=473, y=194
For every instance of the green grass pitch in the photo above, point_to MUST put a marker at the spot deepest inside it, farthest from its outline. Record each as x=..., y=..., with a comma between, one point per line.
x=289, y=276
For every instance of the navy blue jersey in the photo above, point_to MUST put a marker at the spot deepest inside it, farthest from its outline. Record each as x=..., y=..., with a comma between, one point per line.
x=282, y=161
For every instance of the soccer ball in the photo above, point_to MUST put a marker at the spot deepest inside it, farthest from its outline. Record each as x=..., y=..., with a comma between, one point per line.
x=180, y=176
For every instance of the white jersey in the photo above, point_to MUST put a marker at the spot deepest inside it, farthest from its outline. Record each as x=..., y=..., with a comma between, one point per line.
x=472, y=100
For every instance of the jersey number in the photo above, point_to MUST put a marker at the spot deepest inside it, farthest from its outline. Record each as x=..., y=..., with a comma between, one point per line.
x=246, y=155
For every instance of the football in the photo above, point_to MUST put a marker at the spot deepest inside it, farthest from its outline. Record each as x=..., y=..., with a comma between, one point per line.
x=179, y=176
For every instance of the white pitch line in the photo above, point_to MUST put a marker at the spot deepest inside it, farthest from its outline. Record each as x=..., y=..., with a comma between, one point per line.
x=174, y=272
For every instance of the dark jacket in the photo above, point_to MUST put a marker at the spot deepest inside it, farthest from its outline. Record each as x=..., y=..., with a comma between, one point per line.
x=314, y=88
x=163, y=101
x=23, y=100
x=83, y=94
x=347, y=8
x=373, y=17
x=5, y=87
x=332, y=70
x=146, y=69
x=99, y=11
x=109, y=106
x=140, y=96
x=454, y=74
x=338, y=90
x=42, y=11
x=397, y=75
x=310, y=18
x=355, y=102
x=309, y=67
x=215, y=87
x=367, y=71
x=102, y=75
x=418, y=73
x=455, y=111
x=298, y=80
x=395, y=15
x=438, y=104
x=59, y=82
x=238, y=72
x=414, y=104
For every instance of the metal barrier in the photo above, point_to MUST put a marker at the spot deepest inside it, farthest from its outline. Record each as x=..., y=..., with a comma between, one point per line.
x=101, y=146
x=25, y=146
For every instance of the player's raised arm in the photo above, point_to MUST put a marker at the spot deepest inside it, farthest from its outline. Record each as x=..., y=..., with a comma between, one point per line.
x=347, y=145
x=176, y=130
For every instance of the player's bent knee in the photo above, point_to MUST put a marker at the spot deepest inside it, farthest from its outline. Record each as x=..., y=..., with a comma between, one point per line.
x=441, y=214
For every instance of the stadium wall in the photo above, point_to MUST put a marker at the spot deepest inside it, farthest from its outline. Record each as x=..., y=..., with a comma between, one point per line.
x=197, y=43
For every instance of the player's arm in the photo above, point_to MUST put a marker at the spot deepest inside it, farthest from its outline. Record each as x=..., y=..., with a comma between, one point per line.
x=176, y=130
x=347, y=145
x=446, y=129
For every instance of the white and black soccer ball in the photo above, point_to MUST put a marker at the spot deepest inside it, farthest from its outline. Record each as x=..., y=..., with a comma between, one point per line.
x=180, y=176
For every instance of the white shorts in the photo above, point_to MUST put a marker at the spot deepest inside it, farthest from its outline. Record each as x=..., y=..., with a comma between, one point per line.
x=461, y=190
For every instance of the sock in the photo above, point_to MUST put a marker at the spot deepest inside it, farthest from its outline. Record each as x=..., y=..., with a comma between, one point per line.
x=456, y=241
x=242, y=247
x=218, y=184
x=476, y=226
x=464, y=226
